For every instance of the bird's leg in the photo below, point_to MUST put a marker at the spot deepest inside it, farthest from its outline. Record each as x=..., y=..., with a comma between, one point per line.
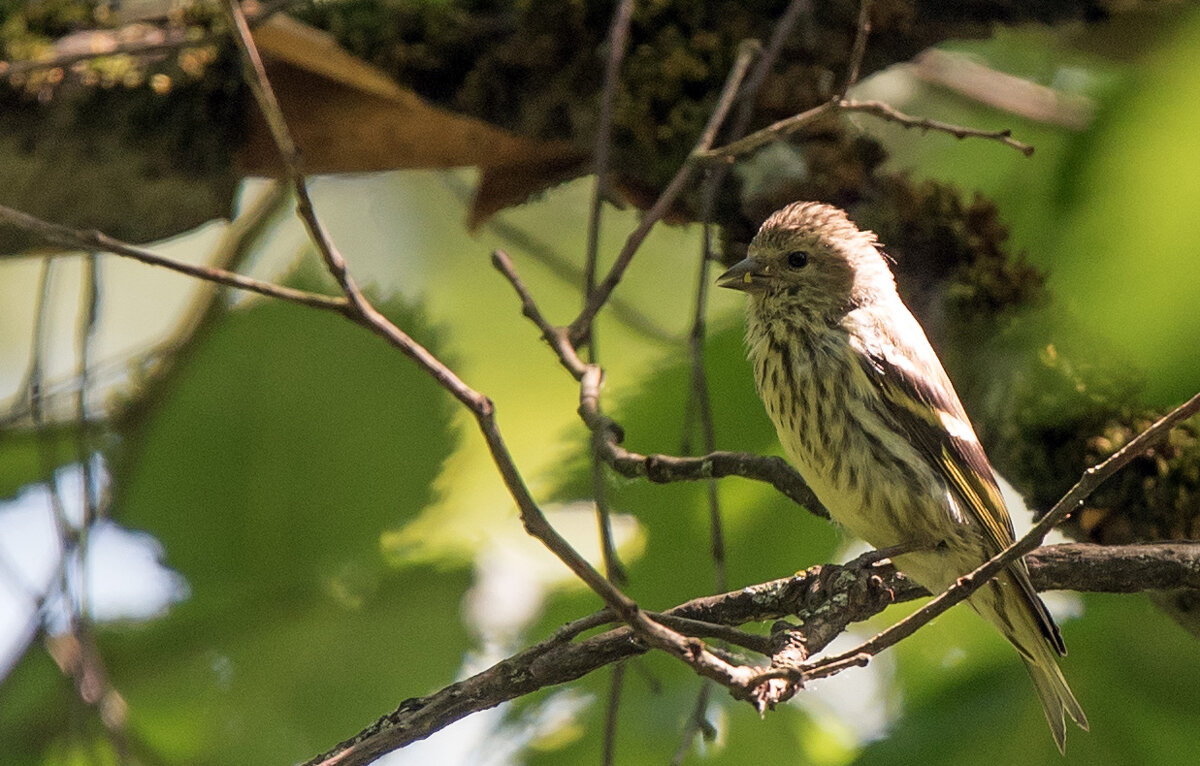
x=872, y=557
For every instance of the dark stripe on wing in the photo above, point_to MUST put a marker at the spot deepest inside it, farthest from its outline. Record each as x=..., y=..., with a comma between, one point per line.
x=917, y=394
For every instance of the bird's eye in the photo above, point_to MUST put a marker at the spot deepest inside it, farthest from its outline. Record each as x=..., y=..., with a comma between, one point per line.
x=797, y=259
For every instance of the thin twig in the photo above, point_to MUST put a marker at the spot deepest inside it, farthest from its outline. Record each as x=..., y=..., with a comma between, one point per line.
x=700, y=403
x=697, y=723
x=555, y=336
x=969, y=583
x=618, y=42
x=613, y=569
x=859, y=49
x=581, y=326
x=789, y=125
x=72, y=239
x=774, y=132
x=85, y=333
x=689, y=626
x=36, y=387
x=31, y=388
x=608, y=749
x=766, y=62
x=891, y=114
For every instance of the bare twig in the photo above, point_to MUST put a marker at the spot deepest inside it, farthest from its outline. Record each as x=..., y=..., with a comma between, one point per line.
x=891, y=114
x=63, y=236
x=699, y=403
x=859, y=49
x=775, y=131
x=766, y=62
x=969, y=583
x=608, y=749
x=789, y=125
x=581, y=326
x=85, y=334
x=697, y=723
x=618, y=39
x=618, y=42
x=555, y=336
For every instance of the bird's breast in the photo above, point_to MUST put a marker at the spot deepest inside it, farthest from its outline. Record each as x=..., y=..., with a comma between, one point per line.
x=829, y=420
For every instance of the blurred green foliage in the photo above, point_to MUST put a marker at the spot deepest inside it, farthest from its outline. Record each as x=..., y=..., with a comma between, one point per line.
x=289, y=445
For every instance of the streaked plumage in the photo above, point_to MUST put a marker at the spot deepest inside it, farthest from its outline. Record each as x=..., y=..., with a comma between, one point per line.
x=868, y=416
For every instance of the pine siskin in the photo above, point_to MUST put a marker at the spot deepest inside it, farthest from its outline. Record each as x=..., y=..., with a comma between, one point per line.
x=866, y=413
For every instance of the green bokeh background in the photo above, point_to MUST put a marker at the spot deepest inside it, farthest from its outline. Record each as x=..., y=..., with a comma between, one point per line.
x=326, y=502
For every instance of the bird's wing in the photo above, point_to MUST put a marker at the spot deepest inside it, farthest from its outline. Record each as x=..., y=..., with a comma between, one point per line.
x=921, y=403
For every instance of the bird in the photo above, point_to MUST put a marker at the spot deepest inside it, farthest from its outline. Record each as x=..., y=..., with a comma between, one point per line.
x=866, y=413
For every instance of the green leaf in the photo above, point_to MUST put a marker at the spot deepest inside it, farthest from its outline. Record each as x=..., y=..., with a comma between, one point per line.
x=279, y=453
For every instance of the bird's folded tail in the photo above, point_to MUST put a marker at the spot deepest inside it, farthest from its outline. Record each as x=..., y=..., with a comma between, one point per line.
x=1013, y=606
x=1054, y=694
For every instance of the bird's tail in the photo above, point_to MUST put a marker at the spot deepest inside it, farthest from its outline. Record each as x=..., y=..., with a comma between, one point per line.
x=1013, y=606
x=1054, y=694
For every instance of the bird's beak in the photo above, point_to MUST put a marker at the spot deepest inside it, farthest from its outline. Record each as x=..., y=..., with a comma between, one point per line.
x=748, y=275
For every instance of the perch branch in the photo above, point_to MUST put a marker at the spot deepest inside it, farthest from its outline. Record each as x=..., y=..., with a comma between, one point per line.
x=864, y=593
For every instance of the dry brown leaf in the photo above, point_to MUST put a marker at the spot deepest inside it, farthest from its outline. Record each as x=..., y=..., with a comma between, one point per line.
x=347, y=116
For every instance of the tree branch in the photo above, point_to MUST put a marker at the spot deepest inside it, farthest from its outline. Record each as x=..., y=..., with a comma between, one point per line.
x=858, y=593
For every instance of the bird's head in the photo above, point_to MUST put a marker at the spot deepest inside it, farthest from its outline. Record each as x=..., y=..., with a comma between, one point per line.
x=811, y=256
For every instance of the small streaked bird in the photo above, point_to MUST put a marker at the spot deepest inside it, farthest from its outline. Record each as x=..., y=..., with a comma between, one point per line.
x=866, y=413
